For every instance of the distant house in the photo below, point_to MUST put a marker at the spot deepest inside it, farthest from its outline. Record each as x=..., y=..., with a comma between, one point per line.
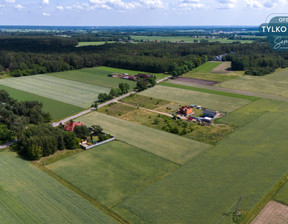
x=71, y=125
x=209, y=113
x=143, y=76
x=185, y=110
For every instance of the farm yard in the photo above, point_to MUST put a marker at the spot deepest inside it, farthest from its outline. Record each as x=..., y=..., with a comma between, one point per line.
x=29, y=195
x=239, y=165
x=112, y=172
x=183, y=96
x=168, y=146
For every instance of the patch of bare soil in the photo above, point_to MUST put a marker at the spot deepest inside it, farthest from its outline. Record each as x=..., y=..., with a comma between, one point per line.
x=225, y=67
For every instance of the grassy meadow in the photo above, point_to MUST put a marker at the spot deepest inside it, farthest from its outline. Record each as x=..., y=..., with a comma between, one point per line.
x=213, y=71
x=185, y=96
x=95, y=43
x=273, y=84
x=28, y=195
x=93, y=76
x=169, y=146
x=206, y=188
x=112, y=172
x=57, y=109
x=66, y=91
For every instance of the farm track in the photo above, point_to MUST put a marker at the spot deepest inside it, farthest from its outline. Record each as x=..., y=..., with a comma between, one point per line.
x=241, y=92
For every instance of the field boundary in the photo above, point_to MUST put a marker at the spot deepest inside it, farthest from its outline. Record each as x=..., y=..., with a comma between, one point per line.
x=82, y=194
x=262, y=203
x=211, y=91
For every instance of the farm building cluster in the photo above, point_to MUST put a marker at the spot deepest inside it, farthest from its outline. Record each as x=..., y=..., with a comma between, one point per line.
x=94, y=137
x=138, y=77
x=187, y=112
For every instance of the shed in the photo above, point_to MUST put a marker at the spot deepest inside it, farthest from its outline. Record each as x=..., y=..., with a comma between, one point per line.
x=209, y=113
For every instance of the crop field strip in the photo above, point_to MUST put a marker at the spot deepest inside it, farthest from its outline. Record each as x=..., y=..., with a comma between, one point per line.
x=212, y=182
x=112, y=172
x=207, y=67
x=169, y=146
x=273, y=84
x=93, y=76
x=24, y=186
x=71, y=92
x=57, y=109
x=184, y=96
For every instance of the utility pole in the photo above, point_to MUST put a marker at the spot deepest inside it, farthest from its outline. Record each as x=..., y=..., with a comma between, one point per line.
x=237, y=207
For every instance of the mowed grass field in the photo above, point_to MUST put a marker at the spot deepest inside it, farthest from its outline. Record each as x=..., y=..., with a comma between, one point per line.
x=273, y=84
x=130, y=72
x=248, y=163
x=184, y=96
x=169, y=146
x=96, y=43
x=63, y=90
x=213, y=71
x=112, y=172
x=93, y=76
x=57, y=109
x=28, y=195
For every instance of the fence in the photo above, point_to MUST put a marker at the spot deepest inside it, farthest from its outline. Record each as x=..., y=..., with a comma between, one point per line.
x=100, y=143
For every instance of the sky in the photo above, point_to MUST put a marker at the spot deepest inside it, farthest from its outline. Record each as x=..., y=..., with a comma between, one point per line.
x=138, y=12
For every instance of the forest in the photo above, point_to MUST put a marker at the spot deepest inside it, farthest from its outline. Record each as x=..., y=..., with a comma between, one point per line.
x=22, y=56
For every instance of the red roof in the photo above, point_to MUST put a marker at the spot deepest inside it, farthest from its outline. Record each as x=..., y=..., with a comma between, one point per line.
x=71, y=125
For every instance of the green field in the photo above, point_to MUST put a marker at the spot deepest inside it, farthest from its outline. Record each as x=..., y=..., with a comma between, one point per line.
x=130, y=72
x=248, y=163
x=96, y=43
x=186, y=39
x=219, y=74
x=183, y=96
x=112, y=172
x=58, y=110
x=93, y=76
x=169, y=146
x=274, y=84
x=282, y=194
x=67, y=91
x=28, y=195
x=207, y=67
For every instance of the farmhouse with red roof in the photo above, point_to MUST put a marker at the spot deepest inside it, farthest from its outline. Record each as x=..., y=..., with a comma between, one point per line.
x=71, y=125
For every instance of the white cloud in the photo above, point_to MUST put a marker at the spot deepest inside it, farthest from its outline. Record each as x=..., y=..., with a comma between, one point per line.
x=60, y=8
x=153, y=4
x=227, y=4
x=264, y=3
x=45, y=14
x=10, y=1
x=45, y=2
x=190, y=5
x=19, y=6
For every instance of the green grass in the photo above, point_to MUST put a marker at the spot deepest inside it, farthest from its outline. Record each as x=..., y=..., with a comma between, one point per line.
x=186, y=95
x=207, y=67
x=252, y=98
x=208, y=186
x=169, y=146
x=58, y=110
x=67, y=91
x=93, y=76
x=130, y=72
x=249, y=112
x=282, y=194
x=273, y=84
x=186, y=39
x=96, y=43
x=112, y=172
x=28, y=195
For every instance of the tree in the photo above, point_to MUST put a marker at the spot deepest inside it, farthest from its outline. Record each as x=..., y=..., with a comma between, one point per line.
x=152, y=81
x=95, y=104
x=5, y=134
x=97, y=129
x=82, y=132
x=141, y=85
x=34, y=152
x=71, y=142
x=102, y=97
